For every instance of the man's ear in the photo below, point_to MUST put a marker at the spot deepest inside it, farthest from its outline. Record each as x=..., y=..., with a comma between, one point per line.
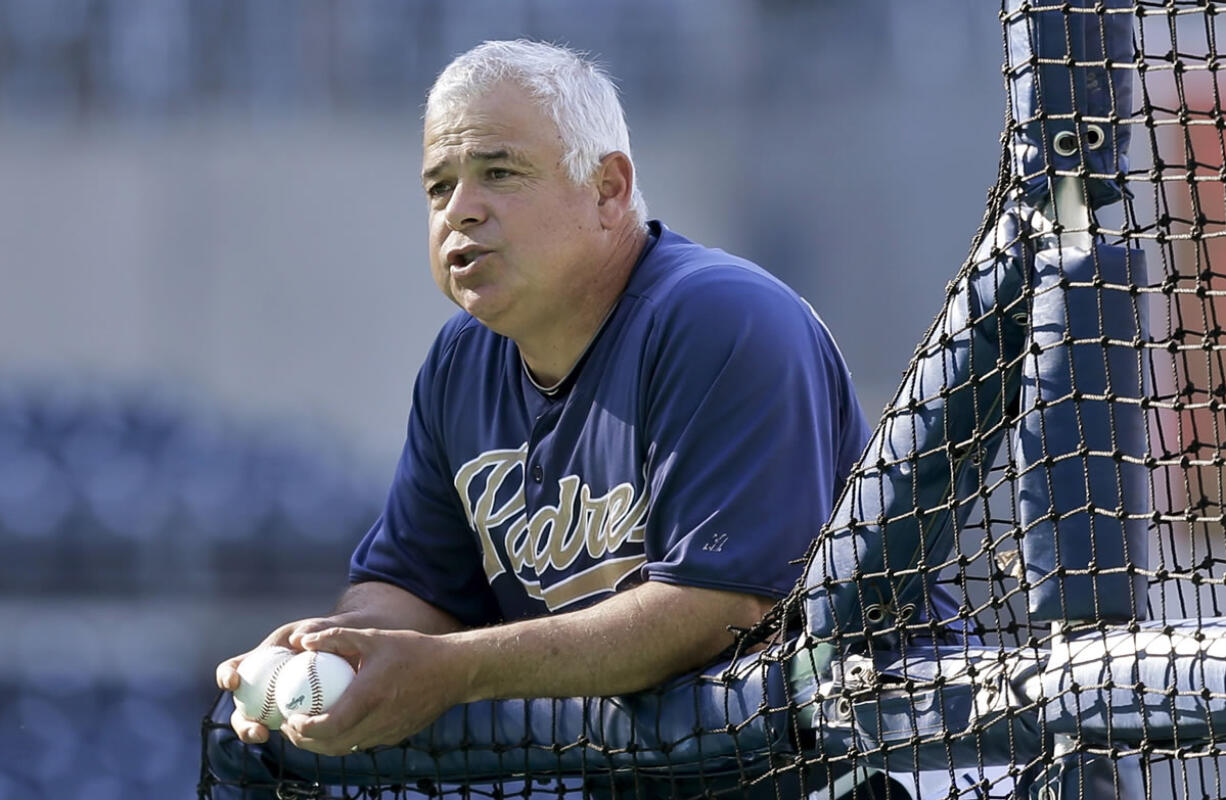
x=615, y=188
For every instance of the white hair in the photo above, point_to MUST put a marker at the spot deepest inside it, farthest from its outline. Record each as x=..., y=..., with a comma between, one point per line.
x=573, y=91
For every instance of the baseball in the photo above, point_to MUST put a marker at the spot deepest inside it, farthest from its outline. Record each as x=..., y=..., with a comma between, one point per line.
x=310, y=682
x=255, y=696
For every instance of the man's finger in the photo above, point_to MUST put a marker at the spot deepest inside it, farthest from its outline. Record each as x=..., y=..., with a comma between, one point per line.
x=227, y=673
x=248, y=730
x=309, y=629
x=311, y=733
x=322, y=734
x=345, y=642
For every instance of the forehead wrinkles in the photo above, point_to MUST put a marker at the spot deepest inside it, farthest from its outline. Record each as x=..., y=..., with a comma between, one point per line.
x=463, y=136
x=504, y=119
x=468, y=139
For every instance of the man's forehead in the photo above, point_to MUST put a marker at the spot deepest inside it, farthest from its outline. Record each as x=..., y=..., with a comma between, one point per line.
x=503, y=113
x=467, y=134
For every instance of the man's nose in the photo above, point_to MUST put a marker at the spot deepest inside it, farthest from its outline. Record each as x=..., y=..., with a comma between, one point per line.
x=466, y=206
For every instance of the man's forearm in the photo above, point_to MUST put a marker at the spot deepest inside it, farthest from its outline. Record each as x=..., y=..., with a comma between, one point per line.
x=633, y=640
x=381, y=605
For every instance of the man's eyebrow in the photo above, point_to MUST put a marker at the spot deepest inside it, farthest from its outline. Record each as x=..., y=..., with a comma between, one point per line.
x=502, y=154
x=492, y=155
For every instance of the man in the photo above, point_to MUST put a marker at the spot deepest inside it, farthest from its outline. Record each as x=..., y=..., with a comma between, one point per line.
x=614, y=449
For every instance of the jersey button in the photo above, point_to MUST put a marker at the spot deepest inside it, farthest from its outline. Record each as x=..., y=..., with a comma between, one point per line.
x=537, y=473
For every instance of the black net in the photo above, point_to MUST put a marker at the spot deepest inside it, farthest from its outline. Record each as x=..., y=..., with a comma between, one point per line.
x=1020, y=593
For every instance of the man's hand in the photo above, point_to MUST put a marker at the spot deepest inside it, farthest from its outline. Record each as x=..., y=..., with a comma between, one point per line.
x=371, y=604
x=405, y=681
x=288, y=635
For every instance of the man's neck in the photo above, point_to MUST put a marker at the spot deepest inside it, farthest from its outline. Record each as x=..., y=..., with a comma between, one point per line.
x=551, y=356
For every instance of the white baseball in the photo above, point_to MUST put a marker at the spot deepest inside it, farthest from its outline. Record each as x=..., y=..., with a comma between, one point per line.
x=310, y=682
x=255, y=697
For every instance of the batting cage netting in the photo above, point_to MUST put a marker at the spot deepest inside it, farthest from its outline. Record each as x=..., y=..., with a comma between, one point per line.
x=1020, y=593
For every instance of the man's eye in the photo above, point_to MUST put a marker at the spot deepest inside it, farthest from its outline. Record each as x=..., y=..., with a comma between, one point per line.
x=438, y=189
x=498, y=173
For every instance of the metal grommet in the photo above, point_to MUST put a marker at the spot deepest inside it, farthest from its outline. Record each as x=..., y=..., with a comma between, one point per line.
x=1095, y=137
x=1065, y=143
x=908, y=611
x=843, y=708
x=874, y=614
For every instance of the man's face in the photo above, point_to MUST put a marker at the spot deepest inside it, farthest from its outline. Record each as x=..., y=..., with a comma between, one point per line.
x=512, y=238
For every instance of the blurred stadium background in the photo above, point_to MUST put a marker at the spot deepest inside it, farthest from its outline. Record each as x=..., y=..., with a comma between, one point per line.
x=213, y=293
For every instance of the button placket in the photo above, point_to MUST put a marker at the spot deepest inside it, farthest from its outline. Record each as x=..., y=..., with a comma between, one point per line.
x=534, y=473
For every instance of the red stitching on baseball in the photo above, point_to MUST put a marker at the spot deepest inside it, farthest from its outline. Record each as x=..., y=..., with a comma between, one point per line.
x=270, y=693
x=317, y=691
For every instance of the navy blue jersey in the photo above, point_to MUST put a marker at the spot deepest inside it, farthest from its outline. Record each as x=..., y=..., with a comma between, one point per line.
x=701, y=440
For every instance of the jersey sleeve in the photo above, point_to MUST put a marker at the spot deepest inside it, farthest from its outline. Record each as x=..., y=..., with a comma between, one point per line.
x=753, y=426
x=421, y=542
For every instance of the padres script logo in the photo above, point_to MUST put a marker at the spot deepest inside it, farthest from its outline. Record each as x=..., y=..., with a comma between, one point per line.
x=557, y=537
